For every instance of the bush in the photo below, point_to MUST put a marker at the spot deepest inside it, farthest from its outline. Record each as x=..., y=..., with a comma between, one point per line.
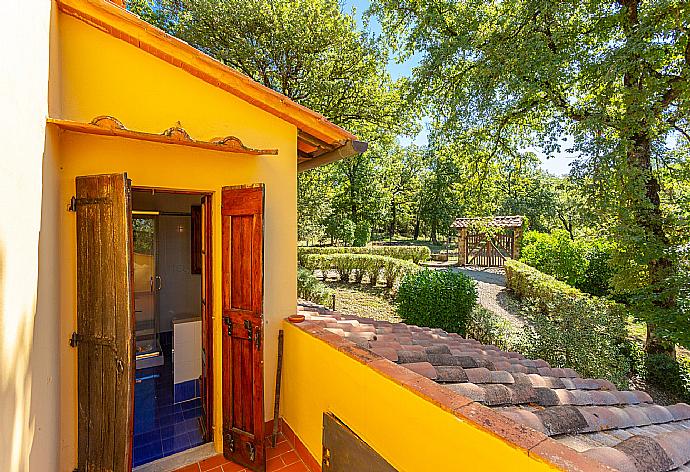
x=584, y=264
x=488, y=328
x=362, y=234
x=671, y=375
x=309, y=288
x=569, y=328
x=359, y=264
x=555, y=254
x=599, y=271
x=437, y=299
x=407, y=253
x=580, y=334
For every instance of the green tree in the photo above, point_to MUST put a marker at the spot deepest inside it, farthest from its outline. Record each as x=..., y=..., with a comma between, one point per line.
x=312, y=52
x=613, y=74
x=400, y=169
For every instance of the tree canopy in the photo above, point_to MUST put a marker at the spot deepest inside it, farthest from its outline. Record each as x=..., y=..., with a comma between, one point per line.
x=495, y=80
x=612, y=74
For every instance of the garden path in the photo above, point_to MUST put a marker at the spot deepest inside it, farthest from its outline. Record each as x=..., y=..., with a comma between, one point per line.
x=493, y=294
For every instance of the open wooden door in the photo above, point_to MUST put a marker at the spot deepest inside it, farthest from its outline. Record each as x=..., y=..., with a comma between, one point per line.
x=206, y=317
x=243, y=371
x=105, y=320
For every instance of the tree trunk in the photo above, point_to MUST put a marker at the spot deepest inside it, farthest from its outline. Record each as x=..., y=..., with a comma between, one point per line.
x=417, y=224
x=391, y=230
x=649, y=216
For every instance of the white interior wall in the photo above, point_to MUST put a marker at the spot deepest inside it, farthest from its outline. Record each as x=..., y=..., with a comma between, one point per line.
x=180, y=295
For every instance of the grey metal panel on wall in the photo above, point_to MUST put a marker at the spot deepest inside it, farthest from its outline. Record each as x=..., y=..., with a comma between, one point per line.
x=344, y=451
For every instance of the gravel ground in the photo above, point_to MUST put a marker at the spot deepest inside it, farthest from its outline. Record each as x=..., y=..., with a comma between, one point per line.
x=493, y=294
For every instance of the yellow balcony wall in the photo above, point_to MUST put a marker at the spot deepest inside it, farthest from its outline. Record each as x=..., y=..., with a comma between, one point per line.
x=409, y=431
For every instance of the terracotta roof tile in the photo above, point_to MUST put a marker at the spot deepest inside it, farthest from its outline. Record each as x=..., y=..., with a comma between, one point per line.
x=593, y=421
x=497, y=221
x=646, y=454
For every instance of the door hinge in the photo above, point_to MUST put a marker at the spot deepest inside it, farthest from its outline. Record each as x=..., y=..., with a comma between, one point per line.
x=74, y=202
x=257, y=334
x=77, y=339
x=252, y=452
x=230, y=441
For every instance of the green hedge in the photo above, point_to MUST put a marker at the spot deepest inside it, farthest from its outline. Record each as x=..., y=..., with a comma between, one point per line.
x=437, y=299
x=569, y=328
x=359, y=265
x=415, y=254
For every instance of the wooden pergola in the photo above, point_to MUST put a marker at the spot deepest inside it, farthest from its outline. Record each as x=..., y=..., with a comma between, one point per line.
x=479, y=247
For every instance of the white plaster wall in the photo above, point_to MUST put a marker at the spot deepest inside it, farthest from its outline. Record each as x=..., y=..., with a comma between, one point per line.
x=29, y=291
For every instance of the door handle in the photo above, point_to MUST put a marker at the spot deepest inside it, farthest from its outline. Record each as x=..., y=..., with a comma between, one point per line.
x=160, y=283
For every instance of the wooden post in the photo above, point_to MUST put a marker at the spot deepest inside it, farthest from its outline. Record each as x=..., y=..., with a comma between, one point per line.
x=462, y=246
x=517, y=241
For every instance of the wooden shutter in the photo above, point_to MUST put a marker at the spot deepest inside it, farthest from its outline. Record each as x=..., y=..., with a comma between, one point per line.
x=105, y=317
x=243, y=382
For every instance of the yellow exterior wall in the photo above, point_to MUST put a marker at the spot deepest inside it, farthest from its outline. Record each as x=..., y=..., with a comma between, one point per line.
x=411, y=433
x=29, y=371
x=102, y=75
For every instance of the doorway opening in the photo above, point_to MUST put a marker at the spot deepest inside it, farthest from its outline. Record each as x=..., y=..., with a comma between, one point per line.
x=172, y=300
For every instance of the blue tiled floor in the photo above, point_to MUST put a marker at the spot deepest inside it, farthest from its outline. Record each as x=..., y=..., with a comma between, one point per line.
x=162, y=427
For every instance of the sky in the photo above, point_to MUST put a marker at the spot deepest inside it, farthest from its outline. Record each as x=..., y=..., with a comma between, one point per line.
x=557, y=165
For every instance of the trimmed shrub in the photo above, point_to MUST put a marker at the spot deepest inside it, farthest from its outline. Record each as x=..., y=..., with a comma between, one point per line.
x=374, y=268
x=569, y=328
x=488, y=328
x=415, y=254
x=437, y=299
x=359, y=264
x=528, y=282
x=309, y=288
x=362, y=234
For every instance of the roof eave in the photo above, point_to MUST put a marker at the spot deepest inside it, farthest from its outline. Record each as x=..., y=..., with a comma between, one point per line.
x=349, y=149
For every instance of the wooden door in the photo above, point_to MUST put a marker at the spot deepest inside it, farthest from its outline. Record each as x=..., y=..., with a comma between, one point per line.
x=206, y=318
x=242, y=211
x=105, y=322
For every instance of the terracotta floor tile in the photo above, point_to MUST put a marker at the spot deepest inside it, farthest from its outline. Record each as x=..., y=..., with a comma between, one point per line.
x=296, y=467
x=189, y=468
x=281, y=448
x=212, y=462
x=290, y=457
x=232, y=467
x=275, y=463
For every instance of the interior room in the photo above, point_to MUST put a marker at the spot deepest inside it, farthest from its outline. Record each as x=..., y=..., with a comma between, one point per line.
x=168, y=413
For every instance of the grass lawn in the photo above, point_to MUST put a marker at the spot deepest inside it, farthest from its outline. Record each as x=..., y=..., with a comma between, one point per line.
x=364, y=300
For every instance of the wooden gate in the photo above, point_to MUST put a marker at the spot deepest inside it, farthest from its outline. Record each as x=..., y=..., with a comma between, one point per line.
x=488, y=251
